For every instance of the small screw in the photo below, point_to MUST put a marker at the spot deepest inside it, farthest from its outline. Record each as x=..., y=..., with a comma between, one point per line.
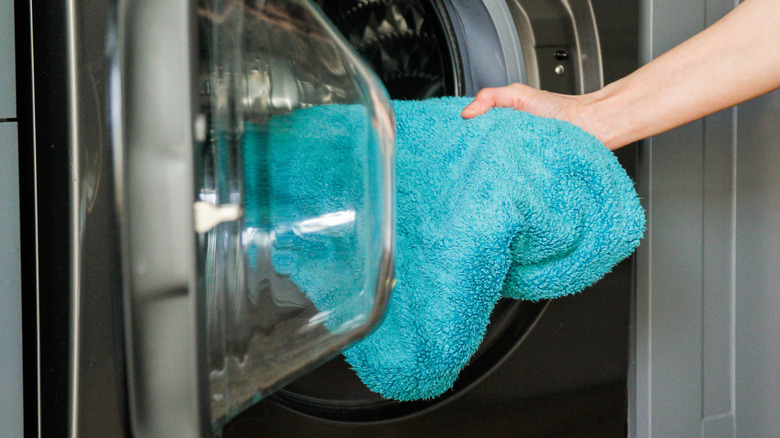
x=559, y=69
x=561, y=55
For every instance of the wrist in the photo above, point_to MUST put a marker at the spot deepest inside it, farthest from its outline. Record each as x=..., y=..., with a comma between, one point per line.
x=606, y=116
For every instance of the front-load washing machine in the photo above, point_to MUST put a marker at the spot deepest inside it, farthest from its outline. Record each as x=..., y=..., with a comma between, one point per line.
x=150, y=306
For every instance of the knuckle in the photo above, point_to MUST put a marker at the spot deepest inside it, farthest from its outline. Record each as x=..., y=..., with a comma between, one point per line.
x=484, y=94
x=516, y=87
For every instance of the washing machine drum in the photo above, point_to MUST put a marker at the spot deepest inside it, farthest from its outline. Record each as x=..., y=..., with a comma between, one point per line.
x=429, y=48
x=405, y=42
x=420, y=49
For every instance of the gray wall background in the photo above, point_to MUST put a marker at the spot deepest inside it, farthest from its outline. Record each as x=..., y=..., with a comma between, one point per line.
x=10, y=262
x=706, y=356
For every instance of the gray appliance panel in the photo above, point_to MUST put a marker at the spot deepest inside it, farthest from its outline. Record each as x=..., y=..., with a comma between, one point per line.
x=7, y=62
x=10, y=286
x=757, y=275
x=683, y=345
x=706, y=356
x=11, y=413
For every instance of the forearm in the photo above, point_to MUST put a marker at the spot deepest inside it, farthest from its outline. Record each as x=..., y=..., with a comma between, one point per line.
x=732, y=61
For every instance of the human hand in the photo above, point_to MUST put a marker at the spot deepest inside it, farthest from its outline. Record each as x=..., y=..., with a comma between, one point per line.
x=523, y=98
x=686, y=83
x=573, y=109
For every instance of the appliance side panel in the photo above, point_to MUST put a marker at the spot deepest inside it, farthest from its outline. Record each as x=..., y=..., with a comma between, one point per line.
x=758, y=267
x=684, y=329
x=718, y=262
x=11, y=398
x=671, y=302
x=675, y=297
x=11, y=410
x=718, y=251
x=7, y=62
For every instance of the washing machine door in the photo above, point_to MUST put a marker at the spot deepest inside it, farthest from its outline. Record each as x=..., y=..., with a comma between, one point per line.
x=223, y=220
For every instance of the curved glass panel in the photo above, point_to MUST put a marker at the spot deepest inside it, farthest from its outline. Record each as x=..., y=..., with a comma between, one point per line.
x=295, y=174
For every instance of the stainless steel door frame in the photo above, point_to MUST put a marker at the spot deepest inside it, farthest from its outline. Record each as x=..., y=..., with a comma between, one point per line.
x=553, y=45
x=79, y=370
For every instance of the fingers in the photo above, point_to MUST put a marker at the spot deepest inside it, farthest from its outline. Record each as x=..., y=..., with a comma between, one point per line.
x=487, y=98
x=577, y=110
x=484, y=100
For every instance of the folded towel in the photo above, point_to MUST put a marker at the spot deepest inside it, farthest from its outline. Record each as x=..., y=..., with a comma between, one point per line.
x=504, y=204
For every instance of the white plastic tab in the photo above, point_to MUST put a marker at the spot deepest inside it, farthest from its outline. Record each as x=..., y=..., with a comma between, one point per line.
x=208, y=216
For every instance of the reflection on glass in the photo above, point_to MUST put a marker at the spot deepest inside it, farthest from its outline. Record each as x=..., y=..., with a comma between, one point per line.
x=307, y=267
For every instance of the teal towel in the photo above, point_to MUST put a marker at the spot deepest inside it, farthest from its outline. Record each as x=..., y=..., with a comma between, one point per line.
x=506, y=204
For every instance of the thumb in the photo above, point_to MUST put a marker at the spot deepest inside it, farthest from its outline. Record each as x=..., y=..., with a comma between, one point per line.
x=484, y=100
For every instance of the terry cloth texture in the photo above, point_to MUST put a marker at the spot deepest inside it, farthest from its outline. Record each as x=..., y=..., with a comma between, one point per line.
x=506, y=204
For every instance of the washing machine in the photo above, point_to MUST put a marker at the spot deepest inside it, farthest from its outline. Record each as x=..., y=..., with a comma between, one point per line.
x=136, y=322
